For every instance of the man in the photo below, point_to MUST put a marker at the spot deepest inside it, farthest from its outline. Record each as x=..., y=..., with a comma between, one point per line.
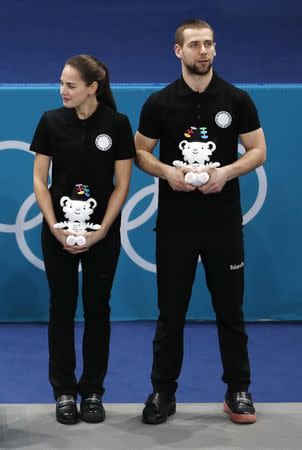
x=200, y=114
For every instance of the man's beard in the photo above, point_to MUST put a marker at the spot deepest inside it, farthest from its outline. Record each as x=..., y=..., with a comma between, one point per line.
x=194, y=70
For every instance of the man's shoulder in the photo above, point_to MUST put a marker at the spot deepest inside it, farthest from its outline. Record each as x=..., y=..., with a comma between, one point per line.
x=164, y=93
x=235, y=91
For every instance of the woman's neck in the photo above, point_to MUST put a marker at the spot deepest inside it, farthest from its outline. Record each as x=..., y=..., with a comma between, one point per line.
x=86, y=109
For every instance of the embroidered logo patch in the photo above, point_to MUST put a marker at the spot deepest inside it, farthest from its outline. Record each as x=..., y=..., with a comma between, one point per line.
x=103, y=142
x=236, y=266
x=223, y=119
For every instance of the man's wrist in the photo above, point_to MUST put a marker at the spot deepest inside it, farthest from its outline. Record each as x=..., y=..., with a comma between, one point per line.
x=228, y=172
x=166, y=169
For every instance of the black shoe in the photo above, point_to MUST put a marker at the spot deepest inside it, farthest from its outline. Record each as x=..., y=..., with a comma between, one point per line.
x=66, y=410
x=239, y=405
x=159, y=406
x=92, y=409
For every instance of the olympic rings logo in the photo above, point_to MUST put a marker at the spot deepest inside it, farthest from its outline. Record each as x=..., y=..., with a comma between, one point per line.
x=22, y=225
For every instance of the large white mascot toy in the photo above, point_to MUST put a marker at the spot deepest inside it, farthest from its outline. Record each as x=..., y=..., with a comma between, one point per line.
x=196, y=151
x=77, y=212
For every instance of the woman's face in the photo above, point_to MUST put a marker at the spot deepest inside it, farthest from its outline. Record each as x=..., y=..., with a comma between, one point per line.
x=73, y=89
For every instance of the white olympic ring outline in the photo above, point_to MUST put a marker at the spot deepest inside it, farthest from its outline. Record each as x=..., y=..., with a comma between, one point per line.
x=22, y=225
x=153, y=189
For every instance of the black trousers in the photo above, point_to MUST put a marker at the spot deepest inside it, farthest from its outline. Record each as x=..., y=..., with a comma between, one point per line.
x=98, y=270
x=222, y=258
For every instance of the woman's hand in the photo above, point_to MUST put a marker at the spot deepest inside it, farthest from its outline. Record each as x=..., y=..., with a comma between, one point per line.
x=61, y=236
x=92, y=237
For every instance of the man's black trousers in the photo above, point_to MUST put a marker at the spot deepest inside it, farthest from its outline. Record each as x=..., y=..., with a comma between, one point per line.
x=222, y=257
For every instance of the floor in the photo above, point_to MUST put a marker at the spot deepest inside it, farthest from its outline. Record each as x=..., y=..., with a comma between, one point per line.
x=194, y=426
x=27, y=419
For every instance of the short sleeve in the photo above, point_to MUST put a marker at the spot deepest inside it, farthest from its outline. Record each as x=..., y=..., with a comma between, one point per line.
x=248, y=115
x=124, y=147
x=41, y=139
x=149, y=121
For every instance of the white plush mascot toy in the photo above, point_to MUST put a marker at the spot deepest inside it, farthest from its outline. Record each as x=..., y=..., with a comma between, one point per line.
x=78, y=210
x=196, y=154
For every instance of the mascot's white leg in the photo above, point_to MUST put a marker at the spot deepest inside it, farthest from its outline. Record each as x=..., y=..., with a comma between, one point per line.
x=71, y=240
x=190, y=178
x=76, y=240
x=80, y=240
x=197, y=178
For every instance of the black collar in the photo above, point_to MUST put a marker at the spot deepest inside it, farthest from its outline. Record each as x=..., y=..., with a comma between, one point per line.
x=90, y=121
x=183, y=89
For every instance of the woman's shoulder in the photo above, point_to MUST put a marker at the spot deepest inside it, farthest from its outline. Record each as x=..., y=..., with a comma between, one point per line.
x=57, y=113
x=118, y=117
x=60, y=117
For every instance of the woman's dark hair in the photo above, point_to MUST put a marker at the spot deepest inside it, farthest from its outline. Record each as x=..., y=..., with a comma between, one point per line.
x=91, y=69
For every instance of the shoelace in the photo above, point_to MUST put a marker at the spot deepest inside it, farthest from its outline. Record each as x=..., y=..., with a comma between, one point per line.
x=65, y=402
x=243, y=399
x=93, y=400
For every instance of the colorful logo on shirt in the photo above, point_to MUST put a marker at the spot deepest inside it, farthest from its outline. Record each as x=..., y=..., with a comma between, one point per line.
x=223, y=119
x=103, y=142
x=81, y=192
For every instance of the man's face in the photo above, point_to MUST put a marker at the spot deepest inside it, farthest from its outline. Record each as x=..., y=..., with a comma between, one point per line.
x=198, y=50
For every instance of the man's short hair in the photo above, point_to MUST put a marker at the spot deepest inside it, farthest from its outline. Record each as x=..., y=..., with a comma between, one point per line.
x=192, y=23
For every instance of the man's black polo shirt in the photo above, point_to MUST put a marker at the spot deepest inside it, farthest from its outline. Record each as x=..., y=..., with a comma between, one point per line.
x=84, y=152
x=218, y=115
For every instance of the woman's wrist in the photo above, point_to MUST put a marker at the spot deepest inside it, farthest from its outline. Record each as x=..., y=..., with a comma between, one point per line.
x=54, y=230
x=102, y=231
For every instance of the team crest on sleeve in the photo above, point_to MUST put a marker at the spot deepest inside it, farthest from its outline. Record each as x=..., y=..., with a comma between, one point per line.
x=103, y=142
x=223, y=119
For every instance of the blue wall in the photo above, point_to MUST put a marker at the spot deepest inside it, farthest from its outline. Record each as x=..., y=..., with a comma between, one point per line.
x=271, y=204
x=257, y=41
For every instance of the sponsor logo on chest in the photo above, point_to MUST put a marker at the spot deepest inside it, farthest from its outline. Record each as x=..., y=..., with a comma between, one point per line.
x=223, y=119
x=103, y=142
x=236, y=266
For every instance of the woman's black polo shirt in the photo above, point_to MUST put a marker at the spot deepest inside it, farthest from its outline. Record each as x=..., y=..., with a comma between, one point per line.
x=218, y=116
x=84, y=152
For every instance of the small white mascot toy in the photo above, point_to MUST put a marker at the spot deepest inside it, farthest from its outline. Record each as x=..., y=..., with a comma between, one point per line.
x=78, y=210
x=196, y=154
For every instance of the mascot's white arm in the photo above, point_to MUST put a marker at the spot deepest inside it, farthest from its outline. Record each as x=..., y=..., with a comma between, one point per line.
x=77, y=227
x=199, y=177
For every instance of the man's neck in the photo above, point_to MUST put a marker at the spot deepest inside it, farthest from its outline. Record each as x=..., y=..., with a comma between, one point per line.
x=198, y=83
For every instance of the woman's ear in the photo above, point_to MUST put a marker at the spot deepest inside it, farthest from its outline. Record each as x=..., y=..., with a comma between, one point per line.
x=93, y=88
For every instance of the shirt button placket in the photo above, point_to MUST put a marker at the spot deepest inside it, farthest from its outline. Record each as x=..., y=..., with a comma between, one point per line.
x=198, y=110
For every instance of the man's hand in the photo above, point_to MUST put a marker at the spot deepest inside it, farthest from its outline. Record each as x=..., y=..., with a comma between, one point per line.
x=176, y=178
x=218, y=178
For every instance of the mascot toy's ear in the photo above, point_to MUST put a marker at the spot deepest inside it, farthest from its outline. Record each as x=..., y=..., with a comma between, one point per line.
x=183, y=145
x=211, y=146
x=92, y=203
x=64, y=200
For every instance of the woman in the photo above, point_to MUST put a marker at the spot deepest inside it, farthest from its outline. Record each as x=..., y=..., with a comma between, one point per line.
x=90, y=145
